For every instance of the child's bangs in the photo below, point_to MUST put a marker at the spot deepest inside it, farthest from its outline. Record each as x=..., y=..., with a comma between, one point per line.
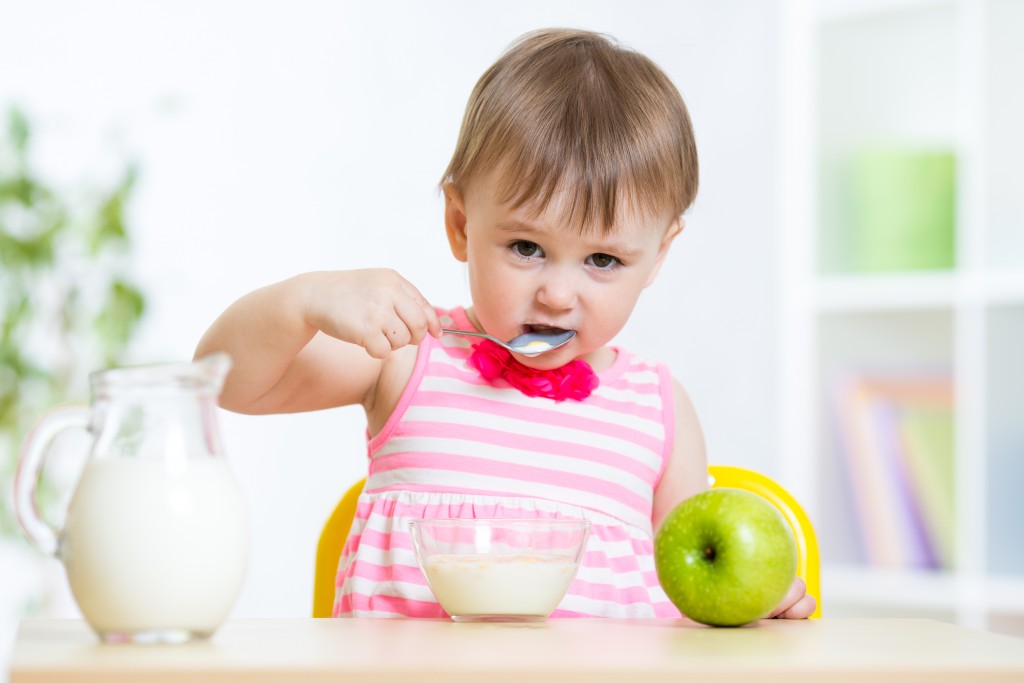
x=589, y=191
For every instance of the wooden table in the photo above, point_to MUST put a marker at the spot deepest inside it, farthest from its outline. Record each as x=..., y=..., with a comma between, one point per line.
x=563, y=650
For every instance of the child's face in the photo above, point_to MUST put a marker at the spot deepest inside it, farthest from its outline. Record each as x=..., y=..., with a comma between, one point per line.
x=527, y=271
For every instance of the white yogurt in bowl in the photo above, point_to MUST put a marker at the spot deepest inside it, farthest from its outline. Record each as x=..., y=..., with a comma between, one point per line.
x=499, y=570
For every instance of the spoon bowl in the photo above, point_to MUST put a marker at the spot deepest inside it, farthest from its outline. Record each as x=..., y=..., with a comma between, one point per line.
x=529, y=344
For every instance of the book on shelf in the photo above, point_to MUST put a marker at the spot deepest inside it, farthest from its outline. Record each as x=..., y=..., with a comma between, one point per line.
x=896, y=435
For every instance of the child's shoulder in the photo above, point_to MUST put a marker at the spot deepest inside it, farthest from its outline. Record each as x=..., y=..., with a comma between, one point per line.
x=625, y=361
x=453, y=317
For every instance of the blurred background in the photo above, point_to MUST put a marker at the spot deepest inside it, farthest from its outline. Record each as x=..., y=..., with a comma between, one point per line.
x=845, y=305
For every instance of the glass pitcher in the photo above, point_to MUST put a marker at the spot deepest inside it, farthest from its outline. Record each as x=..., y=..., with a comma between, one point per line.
x=155, y=541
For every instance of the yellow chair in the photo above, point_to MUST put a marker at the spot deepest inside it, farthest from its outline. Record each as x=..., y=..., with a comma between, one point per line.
x=808, y=564
x=335, y=531
x=329, y=547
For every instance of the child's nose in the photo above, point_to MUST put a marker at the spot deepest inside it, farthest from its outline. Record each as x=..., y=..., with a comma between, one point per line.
x=558, y=290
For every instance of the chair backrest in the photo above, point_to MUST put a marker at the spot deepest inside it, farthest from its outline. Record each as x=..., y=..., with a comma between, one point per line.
x=329, y=547
x=808, y=560
x=335, y=531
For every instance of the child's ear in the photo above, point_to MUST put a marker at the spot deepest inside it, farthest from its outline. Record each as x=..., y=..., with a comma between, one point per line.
x=674, y=228
x=455, y=220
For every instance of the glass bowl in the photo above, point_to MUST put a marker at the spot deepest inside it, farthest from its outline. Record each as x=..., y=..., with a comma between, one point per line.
x=499, y=569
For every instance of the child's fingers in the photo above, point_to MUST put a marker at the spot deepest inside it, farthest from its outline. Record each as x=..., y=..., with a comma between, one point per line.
x=414, y=321
x=393, y=313
x=408, y=324
x=390, y=333
x=377, y=345
x=397, y=334
x=797, y=591
x=431, y=323
x=803, y=609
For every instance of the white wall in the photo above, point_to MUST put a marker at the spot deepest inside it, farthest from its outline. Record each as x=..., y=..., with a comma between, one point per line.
x=275, y=138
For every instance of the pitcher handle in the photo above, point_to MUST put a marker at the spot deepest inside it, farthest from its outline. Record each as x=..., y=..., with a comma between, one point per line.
x=26, y=479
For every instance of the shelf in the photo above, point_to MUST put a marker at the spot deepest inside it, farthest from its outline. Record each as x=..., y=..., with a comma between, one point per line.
x=882, y=84
x=926, y=590
x=920, y=590
x=1002, y=288
x=911, y=78
x=1002, y=145
x=879, y=339
x=1004, y=439
x=1005, y=594
x=865, y=293
x=914, y=291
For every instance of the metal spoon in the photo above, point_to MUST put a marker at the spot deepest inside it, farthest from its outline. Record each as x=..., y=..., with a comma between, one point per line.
x=529, y=344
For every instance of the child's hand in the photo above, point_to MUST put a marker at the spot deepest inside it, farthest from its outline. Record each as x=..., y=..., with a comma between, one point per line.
x=797, y=604
x=377, y=309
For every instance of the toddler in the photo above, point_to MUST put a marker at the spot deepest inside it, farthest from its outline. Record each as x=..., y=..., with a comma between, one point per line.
x=573, y=167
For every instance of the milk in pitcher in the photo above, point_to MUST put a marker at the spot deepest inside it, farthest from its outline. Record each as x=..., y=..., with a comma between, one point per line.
x=154, y=544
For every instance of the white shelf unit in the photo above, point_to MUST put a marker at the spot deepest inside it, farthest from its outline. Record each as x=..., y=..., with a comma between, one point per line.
x=946, y=73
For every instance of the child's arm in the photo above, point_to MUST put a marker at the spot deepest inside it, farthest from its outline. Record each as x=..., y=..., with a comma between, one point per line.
x=687, y=471
x=687, y=475
x=317, y=340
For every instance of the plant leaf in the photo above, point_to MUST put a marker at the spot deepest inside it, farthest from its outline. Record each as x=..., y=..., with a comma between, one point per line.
x=120, y=316
x=18, y=130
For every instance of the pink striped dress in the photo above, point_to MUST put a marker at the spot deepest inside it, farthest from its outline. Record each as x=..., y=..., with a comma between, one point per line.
x=456, y=446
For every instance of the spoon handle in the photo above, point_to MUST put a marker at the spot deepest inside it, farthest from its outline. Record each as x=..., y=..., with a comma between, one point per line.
x=468, y=333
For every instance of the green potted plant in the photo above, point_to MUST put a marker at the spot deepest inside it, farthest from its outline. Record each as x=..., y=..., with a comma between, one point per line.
x=67, y=303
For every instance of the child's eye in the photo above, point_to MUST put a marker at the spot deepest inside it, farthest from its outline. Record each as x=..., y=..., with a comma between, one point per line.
x=526, y=249
x=604, y=261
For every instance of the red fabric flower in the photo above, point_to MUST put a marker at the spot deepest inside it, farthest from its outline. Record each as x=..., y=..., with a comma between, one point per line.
x=575, y=380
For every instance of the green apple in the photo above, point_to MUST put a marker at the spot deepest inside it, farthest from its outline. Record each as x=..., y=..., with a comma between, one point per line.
x=725, y=557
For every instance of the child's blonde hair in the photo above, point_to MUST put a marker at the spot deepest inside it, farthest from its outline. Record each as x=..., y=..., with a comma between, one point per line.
x=568, y=110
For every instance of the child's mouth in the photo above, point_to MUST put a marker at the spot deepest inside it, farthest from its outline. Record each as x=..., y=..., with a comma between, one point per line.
x=537, y=328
